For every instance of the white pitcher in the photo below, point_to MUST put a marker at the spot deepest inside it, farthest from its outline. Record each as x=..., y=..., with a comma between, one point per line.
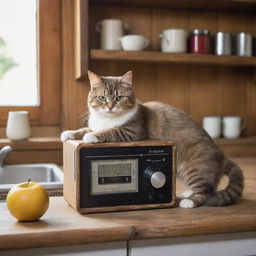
x=174, y=40
x=110, y=32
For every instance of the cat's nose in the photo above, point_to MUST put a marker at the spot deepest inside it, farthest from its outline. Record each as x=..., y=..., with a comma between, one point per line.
x=110, y=107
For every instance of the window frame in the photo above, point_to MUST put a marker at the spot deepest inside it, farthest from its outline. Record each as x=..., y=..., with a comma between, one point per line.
x=49, y=68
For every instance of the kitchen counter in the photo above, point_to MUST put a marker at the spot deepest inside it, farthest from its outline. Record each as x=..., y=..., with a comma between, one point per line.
x=62, y=225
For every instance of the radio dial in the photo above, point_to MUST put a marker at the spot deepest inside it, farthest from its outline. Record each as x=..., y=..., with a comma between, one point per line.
x=156, y=178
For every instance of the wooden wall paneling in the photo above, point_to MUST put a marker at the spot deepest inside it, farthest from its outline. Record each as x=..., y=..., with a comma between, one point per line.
x=171, y=80
x=172, y=86
x=250, y=118
x=50, y=61
x=202, y=80
x=74, y=92
x=138, y=19
x=232, y=22
x=251, y=88
x=232, y=91
x=232, y=81
x=203, y=95
x=164, y=19
x=144, y=83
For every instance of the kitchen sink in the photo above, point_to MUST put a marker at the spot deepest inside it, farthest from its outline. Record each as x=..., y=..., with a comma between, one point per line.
x=49, y=175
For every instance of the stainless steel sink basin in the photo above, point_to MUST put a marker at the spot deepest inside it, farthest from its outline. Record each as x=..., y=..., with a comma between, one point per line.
x=49, y=175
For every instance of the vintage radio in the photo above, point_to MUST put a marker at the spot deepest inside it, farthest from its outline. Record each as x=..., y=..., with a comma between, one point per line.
x=119, y=176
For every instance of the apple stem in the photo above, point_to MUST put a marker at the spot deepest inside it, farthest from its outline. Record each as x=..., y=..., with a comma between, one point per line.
x=29, y=180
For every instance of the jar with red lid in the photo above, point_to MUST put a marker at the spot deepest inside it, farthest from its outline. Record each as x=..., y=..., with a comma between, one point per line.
x=200, y=41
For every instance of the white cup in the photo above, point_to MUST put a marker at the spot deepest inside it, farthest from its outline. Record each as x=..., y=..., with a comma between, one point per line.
x=174, y=40
x=133, y=42
x=110, y=32
x=18, y=125
x=212, y=125
x=232, y=126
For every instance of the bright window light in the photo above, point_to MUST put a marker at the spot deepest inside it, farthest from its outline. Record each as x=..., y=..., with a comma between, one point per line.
x=18, y=53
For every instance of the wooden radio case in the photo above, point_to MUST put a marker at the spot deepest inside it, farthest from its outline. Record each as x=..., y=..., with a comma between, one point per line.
x=119, y=176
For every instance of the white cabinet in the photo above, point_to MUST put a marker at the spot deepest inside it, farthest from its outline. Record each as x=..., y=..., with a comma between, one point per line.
x=234, y=244
x=101, y=249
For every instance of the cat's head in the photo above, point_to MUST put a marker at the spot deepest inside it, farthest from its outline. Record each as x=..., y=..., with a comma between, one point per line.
x=111, y=95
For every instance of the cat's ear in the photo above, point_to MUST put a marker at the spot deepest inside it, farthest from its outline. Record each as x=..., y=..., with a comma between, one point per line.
x=127, y=78
x=95, y=80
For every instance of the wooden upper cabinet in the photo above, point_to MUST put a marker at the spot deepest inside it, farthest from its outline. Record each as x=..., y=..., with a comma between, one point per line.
x=149, y=17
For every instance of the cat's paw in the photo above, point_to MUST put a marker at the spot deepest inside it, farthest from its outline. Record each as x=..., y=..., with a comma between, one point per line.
x=90, y=138
x=67, y=135
x=187, y=203
x=186, y=194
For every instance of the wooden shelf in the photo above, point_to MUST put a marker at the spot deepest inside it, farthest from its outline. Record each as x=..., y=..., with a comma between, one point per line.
x=207, y=5
x=241, y=147
x=171, y=58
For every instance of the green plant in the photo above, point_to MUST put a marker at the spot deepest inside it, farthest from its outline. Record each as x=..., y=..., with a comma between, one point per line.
x=6, y=62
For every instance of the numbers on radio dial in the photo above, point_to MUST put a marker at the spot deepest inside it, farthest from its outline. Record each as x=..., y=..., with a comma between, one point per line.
x=156, y=178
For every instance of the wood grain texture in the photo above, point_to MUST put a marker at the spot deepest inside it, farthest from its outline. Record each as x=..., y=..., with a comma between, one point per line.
x=220, y=5
x=74, y=93
x=173, y=86
x=171, y=58
x=81, y=42
x=50, y=61
x=62, y=225
x=35, y=156
x=71, y=168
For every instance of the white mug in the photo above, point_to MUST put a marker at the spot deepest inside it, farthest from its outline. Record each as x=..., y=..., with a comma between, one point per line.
x=174, y=40
x=110, y=32
x=232, y=126
x=133, y=42
x=18, y=125
x=212, y=125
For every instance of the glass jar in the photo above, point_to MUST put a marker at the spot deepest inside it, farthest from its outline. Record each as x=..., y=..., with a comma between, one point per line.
x=200, y=42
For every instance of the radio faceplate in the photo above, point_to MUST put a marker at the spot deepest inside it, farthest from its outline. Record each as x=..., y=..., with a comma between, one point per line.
x=119, y=176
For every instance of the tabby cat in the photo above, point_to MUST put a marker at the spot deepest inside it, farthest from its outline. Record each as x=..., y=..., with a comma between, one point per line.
x=116, y=115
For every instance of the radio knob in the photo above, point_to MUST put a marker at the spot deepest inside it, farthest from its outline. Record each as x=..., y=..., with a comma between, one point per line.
x=156, y=178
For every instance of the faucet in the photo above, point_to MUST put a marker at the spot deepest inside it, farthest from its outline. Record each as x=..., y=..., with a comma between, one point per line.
x=3, y=153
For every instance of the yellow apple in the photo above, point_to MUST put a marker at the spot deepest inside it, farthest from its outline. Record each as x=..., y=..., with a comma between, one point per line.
x=27, y=201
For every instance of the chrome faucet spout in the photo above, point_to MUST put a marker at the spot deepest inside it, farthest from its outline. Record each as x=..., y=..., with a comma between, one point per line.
x=3, y=153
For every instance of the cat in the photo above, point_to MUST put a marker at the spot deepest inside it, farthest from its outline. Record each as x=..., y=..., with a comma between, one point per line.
x=116, y=115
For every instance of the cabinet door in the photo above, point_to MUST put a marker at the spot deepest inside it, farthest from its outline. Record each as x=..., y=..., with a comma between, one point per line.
x=101, y=249
x=234, y=244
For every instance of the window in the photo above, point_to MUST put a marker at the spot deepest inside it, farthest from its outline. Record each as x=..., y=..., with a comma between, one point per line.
x=18, y=53
x=30, y=60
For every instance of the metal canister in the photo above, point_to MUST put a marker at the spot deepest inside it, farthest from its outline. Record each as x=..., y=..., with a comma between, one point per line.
x=244, y=44
x=223, y=43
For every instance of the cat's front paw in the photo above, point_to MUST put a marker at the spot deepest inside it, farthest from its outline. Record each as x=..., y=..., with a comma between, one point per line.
x=187, y=203
x=90, y=138
x=67, y=135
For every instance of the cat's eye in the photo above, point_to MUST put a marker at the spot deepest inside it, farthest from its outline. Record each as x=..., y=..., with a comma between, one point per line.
x=102, y=98
x=119, y=98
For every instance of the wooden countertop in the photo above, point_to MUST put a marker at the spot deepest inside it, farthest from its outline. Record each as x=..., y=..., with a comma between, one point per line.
x=62, y=225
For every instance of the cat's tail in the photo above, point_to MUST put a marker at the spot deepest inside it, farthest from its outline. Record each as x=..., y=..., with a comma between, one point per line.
x=234, y=189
